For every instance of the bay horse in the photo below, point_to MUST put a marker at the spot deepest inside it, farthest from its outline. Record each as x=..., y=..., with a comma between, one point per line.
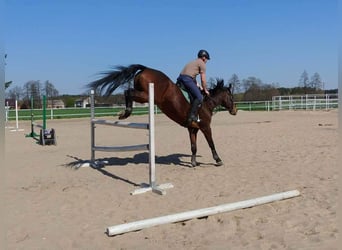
x=169, y=98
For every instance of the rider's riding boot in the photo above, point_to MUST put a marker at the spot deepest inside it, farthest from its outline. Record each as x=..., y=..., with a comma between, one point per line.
x=193, y=117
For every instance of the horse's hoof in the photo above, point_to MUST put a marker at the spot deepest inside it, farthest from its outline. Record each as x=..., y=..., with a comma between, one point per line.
x=219, y=164
x=194, y=164
x=123, y=115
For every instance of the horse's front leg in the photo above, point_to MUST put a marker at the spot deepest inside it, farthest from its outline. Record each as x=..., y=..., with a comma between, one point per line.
x=193, y=142
x=209, y=138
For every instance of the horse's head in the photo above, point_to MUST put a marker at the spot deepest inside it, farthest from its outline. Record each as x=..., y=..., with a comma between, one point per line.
x=224, y=96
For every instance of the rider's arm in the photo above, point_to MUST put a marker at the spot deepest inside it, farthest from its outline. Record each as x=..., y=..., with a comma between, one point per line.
x=204, y=82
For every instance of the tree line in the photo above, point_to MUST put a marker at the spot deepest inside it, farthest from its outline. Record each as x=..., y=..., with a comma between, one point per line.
x=253, y=89
x=249, y=89
x=32, y=90
x=35, y=90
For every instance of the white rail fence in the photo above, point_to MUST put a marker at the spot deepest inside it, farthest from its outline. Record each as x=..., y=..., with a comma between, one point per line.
x=306, y=102
x=293, y=102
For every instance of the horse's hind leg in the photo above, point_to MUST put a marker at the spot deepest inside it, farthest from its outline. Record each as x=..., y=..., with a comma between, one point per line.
x=129, y=105
x=130, y=96
x=193, y=142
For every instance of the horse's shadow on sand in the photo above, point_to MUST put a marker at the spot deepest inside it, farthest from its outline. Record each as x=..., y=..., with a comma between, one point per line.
x=140, y=158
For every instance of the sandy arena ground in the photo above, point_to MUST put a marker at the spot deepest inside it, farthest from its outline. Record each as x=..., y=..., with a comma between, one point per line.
x=52, y=204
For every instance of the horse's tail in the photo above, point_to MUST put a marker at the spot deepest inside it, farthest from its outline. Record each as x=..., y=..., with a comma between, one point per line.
x=115, y=78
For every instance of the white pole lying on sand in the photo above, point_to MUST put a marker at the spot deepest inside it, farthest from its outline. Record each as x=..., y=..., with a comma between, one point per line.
x=138, y=225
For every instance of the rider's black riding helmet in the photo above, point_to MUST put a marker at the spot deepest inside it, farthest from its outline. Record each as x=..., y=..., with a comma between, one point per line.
x=204, y=53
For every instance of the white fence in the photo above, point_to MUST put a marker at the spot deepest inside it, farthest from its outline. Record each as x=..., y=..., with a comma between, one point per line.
x=294, y=102
x=307, y=102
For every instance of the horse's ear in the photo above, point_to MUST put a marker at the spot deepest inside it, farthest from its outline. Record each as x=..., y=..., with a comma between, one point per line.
x=230, y=87
x=219, y=82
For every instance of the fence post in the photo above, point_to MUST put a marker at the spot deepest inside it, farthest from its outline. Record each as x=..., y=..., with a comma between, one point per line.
x=44, y=112
x=92, y=125
x=151, y=136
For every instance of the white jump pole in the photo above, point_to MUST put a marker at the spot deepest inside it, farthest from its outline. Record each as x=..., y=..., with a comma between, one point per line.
x=6, y=110
x=7, y=107
x=16, y=118
x=122, y=124
x=138, y=225
x=151, y=142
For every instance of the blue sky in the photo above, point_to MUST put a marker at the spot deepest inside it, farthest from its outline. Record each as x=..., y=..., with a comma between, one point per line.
x=69, y=42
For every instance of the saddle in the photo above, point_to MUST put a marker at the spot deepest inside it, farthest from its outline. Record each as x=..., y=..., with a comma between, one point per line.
x=190, y=99
x=185, y=92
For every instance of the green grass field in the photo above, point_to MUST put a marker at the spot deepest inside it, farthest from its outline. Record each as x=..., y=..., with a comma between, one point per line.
x=25, y=114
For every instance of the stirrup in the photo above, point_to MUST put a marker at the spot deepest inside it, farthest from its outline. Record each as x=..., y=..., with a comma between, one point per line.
x=193, y=124
x=194, y=120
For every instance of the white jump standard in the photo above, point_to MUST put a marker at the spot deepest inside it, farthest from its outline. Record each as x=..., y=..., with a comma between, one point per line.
x=152, y=186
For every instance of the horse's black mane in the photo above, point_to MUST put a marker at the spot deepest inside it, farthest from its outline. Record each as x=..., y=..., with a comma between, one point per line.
x=218, y=86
